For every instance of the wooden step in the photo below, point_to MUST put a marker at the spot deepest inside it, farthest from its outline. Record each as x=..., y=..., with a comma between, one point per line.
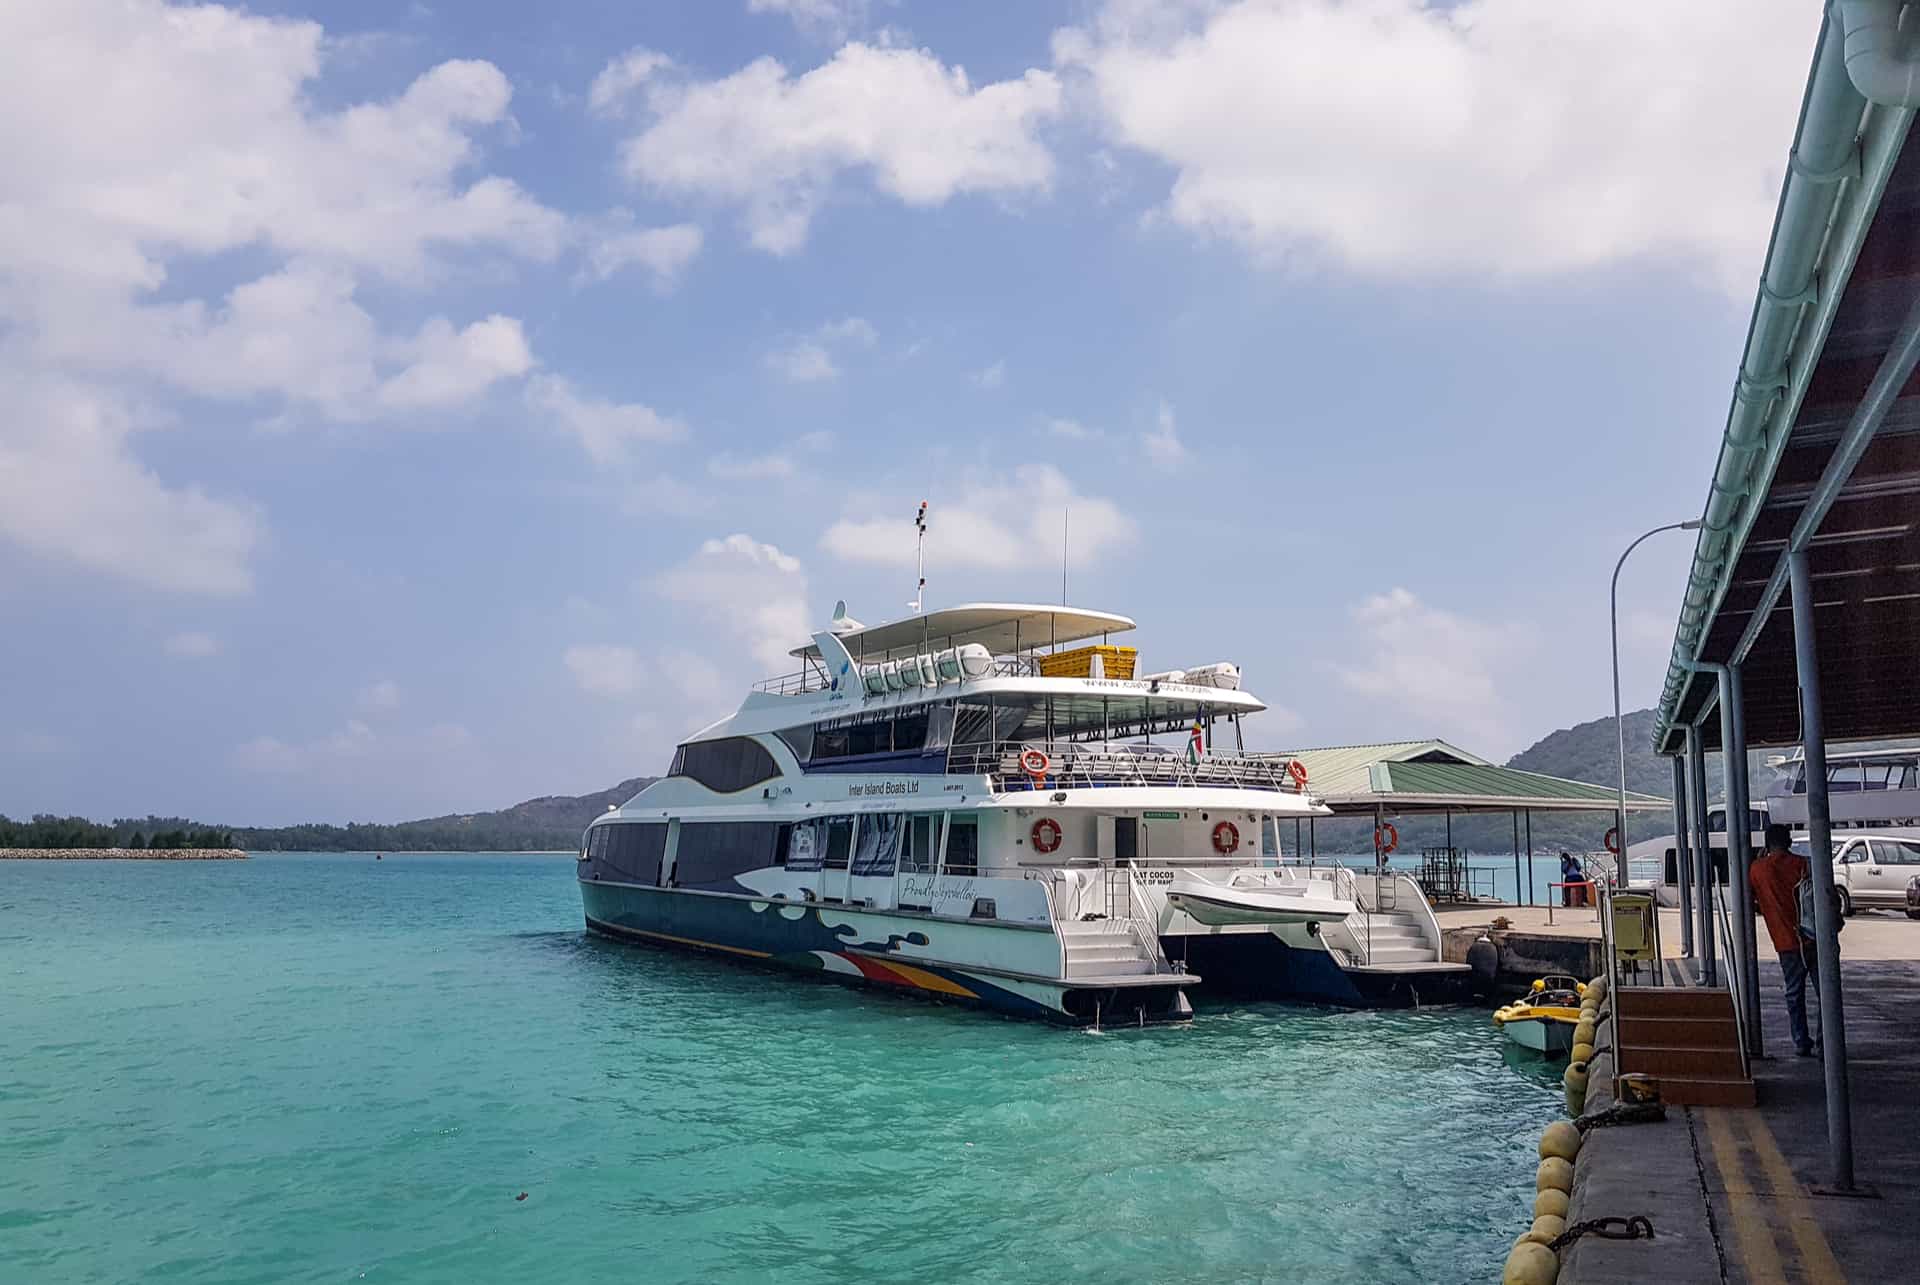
x=1677, y=1032
x=1672, y=1001
x=1705, y=1091
x=1683, y=1059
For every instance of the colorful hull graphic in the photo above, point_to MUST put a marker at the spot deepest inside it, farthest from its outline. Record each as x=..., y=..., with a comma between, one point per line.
x=855, y=946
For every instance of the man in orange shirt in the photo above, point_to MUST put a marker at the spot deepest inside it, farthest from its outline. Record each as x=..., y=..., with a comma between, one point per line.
x=1776, y=875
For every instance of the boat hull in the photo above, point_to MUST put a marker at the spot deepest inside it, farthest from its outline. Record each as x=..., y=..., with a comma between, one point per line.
x=1264, y=966
x=1542, y=1035
x=1224, y=905
x=999, y=967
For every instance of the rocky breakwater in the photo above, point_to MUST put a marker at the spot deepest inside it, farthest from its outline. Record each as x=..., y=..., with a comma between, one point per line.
x=122, y=854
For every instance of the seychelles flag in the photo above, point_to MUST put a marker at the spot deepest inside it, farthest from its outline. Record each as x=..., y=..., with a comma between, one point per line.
x=1197, y=746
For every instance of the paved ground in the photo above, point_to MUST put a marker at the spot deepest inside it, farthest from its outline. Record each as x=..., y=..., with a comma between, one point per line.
x=1872, y=934
x=1739, y=1195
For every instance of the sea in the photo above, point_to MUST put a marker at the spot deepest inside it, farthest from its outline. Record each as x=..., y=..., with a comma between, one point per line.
x=330, y=1068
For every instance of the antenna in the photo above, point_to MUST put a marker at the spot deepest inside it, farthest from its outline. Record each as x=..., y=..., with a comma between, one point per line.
x=1064, y=515
x=920, y=557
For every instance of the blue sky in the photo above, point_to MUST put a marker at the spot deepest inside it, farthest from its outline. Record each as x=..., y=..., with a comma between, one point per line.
x=421, y=408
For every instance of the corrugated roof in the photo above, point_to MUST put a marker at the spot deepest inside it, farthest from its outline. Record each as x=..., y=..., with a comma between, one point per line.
x=1435, y=775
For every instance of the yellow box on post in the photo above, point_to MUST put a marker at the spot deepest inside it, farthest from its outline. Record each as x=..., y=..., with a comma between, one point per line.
x=1115, y=662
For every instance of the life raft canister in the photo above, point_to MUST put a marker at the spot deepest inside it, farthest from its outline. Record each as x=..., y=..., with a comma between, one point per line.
x=1386, y=837
x=1046, y=835
x=1226, y=837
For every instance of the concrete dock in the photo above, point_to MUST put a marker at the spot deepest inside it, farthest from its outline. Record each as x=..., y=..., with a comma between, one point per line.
x=1736, y=1195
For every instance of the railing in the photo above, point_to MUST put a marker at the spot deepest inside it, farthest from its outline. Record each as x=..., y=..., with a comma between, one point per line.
x=807, y=680
x=1142, y=923
x=1070, y=765
x=1741, y=1018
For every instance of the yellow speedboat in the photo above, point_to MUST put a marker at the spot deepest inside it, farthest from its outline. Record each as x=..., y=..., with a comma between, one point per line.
x=1543, y=1020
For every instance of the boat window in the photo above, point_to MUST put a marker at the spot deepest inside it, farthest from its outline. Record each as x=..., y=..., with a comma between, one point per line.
x=919, y=845
x=910, y=729
x=1757, y=821
x=633, y=850
x=1717, y=820
x=1907, y=775
x=879, y=844
x=597, y=842
x=829, y=743
x=963, y=846
x=726, y=765
x=1877, y=776
x=713, y=853
x=1126, y=838
x=904, y=731
x=800, y=741
x=806, y=845
x=839, y=845
x=782, y=840
x=870, y=738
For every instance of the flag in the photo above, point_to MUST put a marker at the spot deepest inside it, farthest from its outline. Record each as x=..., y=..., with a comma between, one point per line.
x=1196, y=746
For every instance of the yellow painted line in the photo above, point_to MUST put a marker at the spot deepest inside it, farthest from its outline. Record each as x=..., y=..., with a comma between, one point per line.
x=1816, y=1256
x=1750, y=1234
x=704, y=945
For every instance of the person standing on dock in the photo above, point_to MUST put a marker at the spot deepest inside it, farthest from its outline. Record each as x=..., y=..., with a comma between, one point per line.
x=1570, y=876
x=1776, y=875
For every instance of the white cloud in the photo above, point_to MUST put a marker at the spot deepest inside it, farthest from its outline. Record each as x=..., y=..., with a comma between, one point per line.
x=810, y=360
x=664, y=252
x=604, y=428
x=622, y=76
x=379, y=697
x=774, y=145
x=995, y=522
x=826, y=19
x=1428, y=663
x=192, y=646
x=1493, y=136
x=1162, y=442
x=748, y=590
x=71, y=489
x=449, y=367
x=606, y=669
x=992, y=377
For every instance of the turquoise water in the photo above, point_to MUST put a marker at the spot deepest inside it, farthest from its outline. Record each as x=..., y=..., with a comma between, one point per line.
x=326, y=1068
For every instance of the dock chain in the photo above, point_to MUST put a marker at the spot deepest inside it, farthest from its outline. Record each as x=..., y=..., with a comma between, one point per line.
x=1638, y=1227
x=1622, y=1113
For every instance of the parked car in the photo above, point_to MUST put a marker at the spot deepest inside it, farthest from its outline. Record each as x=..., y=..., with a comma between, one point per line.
x=1913, y=897
x=1873, y=871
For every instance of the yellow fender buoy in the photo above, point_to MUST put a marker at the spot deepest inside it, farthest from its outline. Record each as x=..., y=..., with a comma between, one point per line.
x=1574, y=1081
x=1555, y=1173
x=1546, y=1228
x=1559, y=1139
x=1583, y=1031
x=1582, y=1052
x=1530, y=1263
x=1598, y=986
x=1551, y=1201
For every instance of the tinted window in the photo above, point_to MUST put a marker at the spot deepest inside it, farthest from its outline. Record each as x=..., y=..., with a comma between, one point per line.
x=712, y=853
x=631, y=852
x=839, y=846
x=919, y=845
x=726, y=765
x=1717, y=820
x=879, y=841
x=963, y=847
x=800, y=741
x=1896, y=852
x=910, y=730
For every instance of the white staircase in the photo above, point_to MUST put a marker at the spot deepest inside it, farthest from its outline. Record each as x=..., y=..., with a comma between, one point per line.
x=1103, y=948
x=1392, y=937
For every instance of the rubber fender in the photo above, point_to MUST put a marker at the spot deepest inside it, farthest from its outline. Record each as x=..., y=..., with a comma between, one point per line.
x=1530, y=1263
x=1560, y=1139
x=1546, y=1228
x=1551, y=1201
x=1555, y=1173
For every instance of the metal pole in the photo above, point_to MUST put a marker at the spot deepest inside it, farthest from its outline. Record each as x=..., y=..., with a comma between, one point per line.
x=1619, y=723
x=1516, y=856
x=1740, y=858
x=1529, y=856
x=1833, y=1022
x=1703, y=856
x=1682, y=854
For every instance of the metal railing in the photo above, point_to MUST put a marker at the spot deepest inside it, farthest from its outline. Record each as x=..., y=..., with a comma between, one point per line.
x=1140, y=922
x=1070, y=765
x=1741, y=1018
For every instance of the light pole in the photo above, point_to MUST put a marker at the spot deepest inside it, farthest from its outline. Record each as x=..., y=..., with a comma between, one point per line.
x=1619, y=723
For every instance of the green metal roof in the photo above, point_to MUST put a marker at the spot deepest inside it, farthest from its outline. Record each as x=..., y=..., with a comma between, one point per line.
x=1434, y=775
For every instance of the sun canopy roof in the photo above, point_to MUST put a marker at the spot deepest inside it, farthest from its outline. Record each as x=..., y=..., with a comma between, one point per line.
x=1434, y=776
x=1000, y=627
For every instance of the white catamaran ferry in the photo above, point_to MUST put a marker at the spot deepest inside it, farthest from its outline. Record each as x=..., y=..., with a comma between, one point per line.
x=981, y=804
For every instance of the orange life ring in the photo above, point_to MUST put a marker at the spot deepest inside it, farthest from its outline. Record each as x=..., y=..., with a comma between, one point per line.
x=1298, y=771
x=1612, y=841
x=1226, y=838
x=1386, y=837
x=1035, y=764
x=1046, y=835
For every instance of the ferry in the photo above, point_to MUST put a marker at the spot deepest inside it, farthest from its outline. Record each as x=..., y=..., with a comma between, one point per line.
x=981, y=804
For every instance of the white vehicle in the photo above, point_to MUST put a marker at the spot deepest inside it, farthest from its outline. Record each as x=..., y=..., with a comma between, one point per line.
x=949, y=804
x=1872, y=871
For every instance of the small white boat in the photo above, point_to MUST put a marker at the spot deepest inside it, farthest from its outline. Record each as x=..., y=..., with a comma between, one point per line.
x=1255, y=897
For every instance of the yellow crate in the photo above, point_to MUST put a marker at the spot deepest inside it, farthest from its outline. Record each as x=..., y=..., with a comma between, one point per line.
x=1115, y=662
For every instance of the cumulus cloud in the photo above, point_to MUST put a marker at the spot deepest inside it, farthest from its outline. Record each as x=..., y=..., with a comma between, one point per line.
x=994, y=522
x=192, y=645
x=1433, y=664
x=749, y=591
x=448, y=367
x=826, y=19
x=605, y=429
x=1491, y=136
x=662, y=252
x=774, y=145
x=810, y=359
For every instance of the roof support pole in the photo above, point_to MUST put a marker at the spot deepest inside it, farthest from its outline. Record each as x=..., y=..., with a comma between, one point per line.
x=1703, y=855
x=1529, y=856
x=1740, y=856
x=1682, y=854
x=1826, y=920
